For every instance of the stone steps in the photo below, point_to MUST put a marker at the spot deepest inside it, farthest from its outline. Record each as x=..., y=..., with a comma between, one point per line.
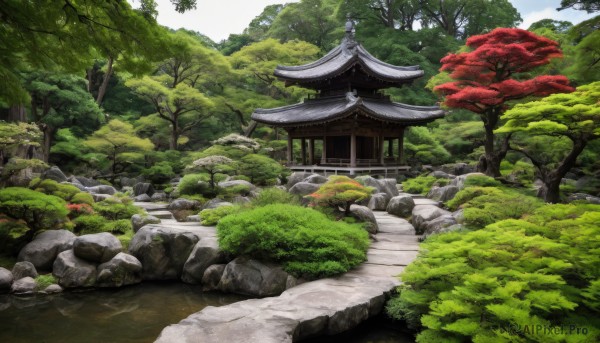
x=322, y=307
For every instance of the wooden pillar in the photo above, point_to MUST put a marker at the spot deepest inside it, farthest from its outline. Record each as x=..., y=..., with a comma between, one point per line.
x=290, y=147
x=324, y=153
x=303, y=150
x=390, y=148
x=352, y=151
x=401, y=147
x=381, y=149
x=311, y=151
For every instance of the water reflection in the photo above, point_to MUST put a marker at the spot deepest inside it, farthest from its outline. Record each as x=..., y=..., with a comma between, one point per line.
x=131, y=314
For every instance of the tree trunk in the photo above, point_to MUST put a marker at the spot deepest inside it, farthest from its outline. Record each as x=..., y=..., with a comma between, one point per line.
x=16, y=113
x=105, y=80
x=48, y=133
x=489, y=164
x=551, y=190
x=174, y=136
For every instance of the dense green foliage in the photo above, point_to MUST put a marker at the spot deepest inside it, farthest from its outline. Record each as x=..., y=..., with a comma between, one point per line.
x=499, y=283
x=116, y=208
x=273, y=195
x=43, y=281
x=422, y=184
x=340, y=191
x=211, y=216
x=280, y=233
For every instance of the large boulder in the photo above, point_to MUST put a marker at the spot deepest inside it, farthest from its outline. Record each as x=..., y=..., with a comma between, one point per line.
x=401, y=205
x=23, y=269
x=458, y=168
x=459, y=181
x=54, y=173
x=236, y=183
x=214, y=203
x=121, y=270
x=159, y=197
x=75, y=184
x=364, y=214
x=304, y=188
x=87, y=182
x=438, y=225
x=44, y=248
x=97, y=247
x=25, y=285
x=102, y=189
x=316, y=179
x=142, y=198
x=251, y=277
x=72, y=271
x=205, y=253
x=143, y=188
x=130, y=182
x=183, y=204
x=162, y=251
x=387, y=186
x=439, y=174
x=442, y=194
x=212, y=277
x=138, y=221
x=378, y=202
x=6, y=280
x=296, y=177
x=583, y=197
x=424, y=213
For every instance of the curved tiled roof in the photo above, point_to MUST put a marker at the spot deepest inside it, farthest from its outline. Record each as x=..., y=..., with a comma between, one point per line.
x=344, y=57
x=320, y=111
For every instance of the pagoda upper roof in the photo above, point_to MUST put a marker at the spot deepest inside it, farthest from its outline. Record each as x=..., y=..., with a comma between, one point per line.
x=344, y=57
x=323, y=110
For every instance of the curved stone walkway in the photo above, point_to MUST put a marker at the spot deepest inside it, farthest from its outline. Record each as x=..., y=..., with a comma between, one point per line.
x=322, y=307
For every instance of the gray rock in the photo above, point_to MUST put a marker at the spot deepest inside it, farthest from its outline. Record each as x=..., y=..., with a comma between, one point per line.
x=138, y=221
x=75, y=184
x=459, y=181
x=130, y=182
x=54, y=173
x=459, y=216
x=424, y=213
x=193, y=219
x=438, y=224
x=587, y=183
x=442, y=194
x=213, y=203
x=52, y=289
x=97, y=247
x=236, y=183
x=364, y=214
x=378, y=202
x=458, y=168
x=240, y=200
x=212, y=276
x=316, y=179
x=121, y=270
x=143, y=188
x=583, y=197
x=87, y=182
x=162, y=251
x=296, y=177
x=401, y=205
x=304, y=188
x=438, y=174
x=44, y=248
x=387, y=186
x=23, y=269
x=183, y=204
x=102, y=189
x=159, y=197
x=6, y=280
x=251, y=277
x=142, y=198
x=205, y=253
x=100, y=197
x=72, y=271
x=24, y=286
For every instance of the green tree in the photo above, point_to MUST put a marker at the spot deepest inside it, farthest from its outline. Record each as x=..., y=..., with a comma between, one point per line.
x=589, y=6
x=261, y=170
x=569, y=121
x=340, y=191
x=117, y=140
x=213, y=165
x=586, y=62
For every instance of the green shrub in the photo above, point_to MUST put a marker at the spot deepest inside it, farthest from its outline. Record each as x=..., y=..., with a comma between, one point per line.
x=159, y=173
x=231, y=192
x=12, y=236
x=274, y=195
x=89, y=224
x=82, y=198
x=467, y=194
x=43, y=281
x=212, y=216
x=51, y=187
x=38, y=210
x=262, y=170
x=125, y=239
x=305, y=241
x=340, y=191
x=481, y=181
x=476, y=286
x=114, y=209
x=194, y=184
x=419, y=184
x=121, y=226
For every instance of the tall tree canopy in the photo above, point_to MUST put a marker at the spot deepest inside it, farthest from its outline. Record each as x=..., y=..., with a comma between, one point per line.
x=494, y=72
x=564, y=123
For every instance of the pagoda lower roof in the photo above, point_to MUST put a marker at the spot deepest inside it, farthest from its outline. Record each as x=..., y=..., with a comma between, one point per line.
x=319, y=111
x=341, y=59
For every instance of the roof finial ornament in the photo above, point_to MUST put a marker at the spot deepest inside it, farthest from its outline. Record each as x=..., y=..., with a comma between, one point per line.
x=349, y=26
x=349, y=44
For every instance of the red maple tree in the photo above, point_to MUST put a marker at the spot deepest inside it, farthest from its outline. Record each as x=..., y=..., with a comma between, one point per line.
x=494, y=72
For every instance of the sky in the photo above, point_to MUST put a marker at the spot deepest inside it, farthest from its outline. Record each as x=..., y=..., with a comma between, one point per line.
x=218, y=19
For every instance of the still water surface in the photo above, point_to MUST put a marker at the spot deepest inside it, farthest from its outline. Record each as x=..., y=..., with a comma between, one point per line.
x=132, y=314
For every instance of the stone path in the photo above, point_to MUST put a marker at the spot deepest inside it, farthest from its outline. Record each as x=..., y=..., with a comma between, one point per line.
x=322, y=307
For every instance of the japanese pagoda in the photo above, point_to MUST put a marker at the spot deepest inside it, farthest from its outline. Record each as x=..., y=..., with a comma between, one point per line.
x=349, y=121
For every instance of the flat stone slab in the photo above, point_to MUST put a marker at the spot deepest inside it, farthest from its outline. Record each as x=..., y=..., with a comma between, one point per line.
x=391, y=258
x=163, y=214
x=391, y=237
x=395, y=246
x=151, y=206
x=425, y=201
x=378, y=270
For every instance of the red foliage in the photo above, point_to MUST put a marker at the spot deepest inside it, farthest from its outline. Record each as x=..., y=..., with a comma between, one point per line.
x=75, y=210
x=485, y=76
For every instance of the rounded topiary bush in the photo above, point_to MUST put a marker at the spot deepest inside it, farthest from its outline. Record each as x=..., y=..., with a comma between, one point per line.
x=305, y=241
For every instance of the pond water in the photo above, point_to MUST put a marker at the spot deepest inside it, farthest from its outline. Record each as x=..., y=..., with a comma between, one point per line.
x=133, y=314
